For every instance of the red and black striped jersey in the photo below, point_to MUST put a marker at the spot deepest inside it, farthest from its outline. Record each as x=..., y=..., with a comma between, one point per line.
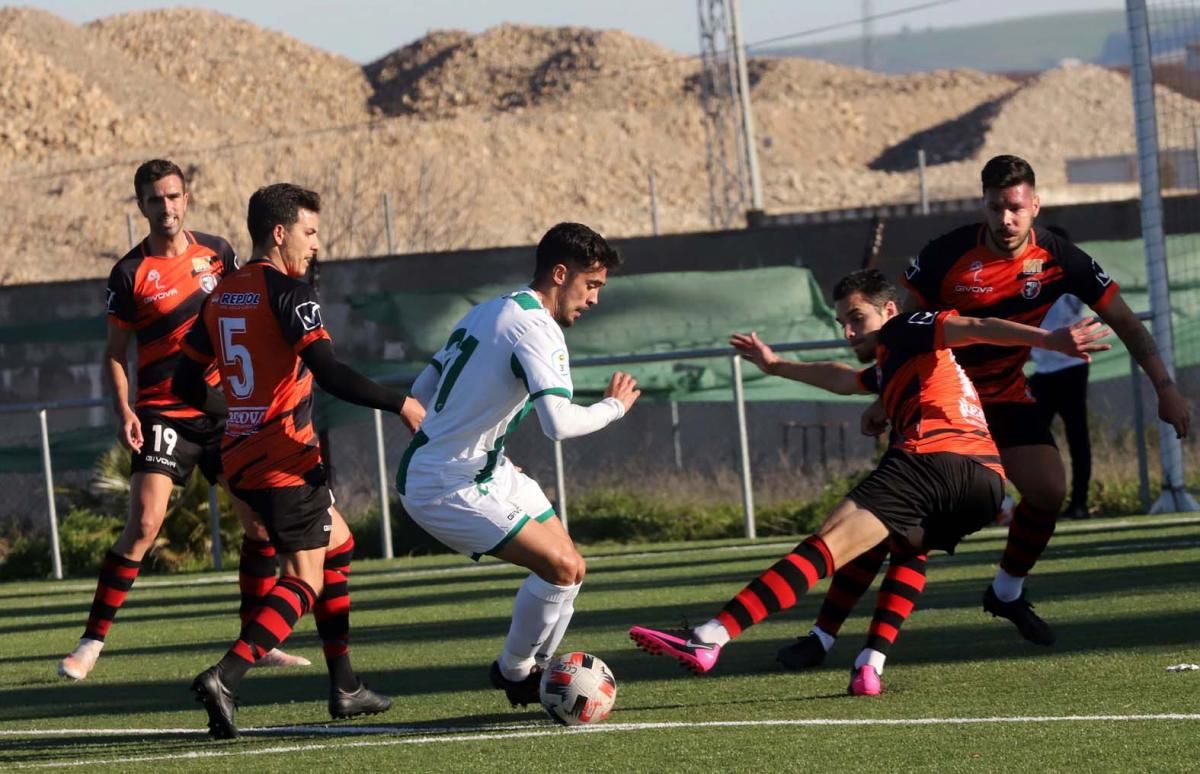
x=157, y=297
x=958, y=271
x=930, y=401
x=255, y=327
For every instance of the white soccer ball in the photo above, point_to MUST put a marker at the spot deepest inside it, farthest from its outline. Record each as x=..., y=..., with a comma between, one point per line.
x=577, y=689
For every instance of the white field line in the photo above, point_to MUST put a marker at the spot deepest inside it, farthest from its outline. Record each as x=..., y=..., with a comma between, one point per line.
x=428, y=736
x=490, y=567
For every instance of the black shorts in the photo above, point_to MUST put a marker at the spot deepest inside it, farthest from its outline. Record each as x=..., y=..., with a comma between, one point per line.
x=931, y=500
x=174, y=447
x=297, y=518
x=1018, y=424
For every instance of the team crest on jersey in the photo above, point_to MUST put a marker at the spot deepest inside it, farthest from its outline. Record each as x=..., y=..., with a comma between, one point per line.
x=1031, y=288
x=310, y=315
x=208, y=283
x=200, y=265
x=561, y=362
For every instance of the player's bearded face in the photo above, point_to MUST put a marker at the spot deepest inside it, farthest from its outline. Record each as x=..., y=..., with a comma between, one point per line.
x=861, y=321
x=579, y=291
x=1010, y=213
x=164, y=203
x=300, y=243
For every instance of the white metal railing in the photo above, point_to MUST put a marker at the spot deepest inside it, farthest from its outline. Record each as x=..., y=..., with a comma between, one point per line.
x=559, y=472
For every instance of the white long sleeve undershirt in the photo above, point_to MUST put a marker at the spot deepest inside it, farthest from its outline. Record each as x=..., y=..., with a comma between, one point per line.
x=561, y=419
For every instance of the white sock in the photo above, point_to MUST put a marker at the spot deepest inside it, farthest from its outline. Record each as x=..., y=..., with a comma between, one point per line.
x=1007, y=587
x=713, y=632
x=825, y=637
x=535, y=612
x=870, y=657
x=565, y=611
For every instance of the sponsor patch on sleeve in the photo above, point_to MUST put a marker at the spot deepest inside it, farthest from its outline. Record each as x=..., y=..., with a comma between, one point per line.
x=310, y=315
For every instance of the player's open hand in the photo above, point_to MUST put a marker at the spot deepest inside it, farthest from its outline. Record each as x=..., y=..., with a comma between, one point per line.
x=130, y=432
x=752, y=348
x=874, y=419
x=623, y=387
x=412, y=414
x=1080, y=339
x=1173, y=409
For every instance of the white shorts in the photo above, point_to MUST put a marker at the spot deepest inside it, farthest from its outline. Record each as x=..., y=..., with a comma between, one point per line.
x=481, y=518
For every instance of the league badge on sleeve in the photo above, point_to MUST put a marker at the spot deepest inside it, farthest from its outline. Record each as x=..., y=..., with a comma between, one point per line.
x=560, y=362
x=310, y=315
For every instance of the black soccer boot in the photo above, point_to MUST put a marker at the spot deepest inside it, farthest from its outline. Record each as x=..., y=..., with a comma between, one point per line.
x=1020, y=612
x=806, y=652
x=218, y=701
x=523, y=692
x=361, y=701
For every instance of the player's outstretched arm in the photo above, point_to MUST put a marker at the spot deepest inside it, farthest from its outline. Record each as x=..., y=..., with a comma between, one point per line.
x=1172, y=406
x=343, y=382
x=560, y=419
x=1078, y=340
x=828, y=375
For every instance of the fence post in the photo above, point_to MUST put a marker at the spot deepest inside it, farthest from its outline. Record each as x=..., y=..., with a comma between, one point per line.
x=129, y=229
x=1174, y=497
x=387, y=226
x=921, y=180
x=385, y=505
x=214, y=517
x=1139, y=430
x=675, y=435
x=653, y=204
x=560, y=483
x=55, y=556
x=739, y=400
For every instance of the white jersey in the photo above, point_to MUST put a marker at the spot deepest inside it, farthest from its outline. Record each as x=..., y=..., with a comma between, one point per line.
x=502, y=356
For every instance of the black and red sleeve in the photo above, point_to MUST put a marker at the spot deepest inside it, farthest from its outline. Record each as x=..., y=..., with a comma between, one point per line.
x=1085, y=278
x=909, y=334
x=296, y=309
x=119, y=302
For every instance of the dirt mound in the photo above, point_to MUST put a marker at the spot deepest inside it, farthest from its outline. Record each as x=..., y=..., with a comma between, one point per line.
x=513, y=66
x=246, y=72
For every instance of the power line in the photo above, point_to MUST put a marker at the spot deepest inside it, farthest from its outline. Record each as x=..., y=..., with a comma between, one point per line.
x=373, y=123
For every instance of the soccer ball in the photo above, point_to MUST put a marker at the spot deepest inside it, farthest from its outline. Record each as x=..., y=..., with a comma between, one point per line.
x=578, y=688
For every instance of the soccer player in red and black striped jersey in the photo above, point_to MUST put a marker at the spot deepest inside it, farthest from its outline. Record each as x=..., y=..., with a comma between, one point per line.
x=940, y=480
x=263, y=328
x=154, y=293
x=1008, y=268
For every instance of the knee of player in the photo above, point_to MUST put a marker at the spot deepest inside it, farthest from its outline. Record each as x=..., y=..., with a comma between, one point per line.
x=563, y=567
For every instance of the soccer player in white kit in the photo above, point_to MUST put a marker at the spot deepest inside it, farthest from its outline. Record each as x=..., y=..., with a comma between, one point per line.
x=505, y=358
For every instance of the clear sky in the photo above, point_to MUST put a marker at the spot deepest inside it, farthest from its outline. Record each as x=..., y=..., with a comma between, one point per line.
x=364, y=30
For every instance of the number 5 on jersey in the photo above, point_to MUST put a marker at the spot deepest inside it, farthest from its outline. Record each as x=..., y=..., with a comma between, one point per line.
x=233, y=354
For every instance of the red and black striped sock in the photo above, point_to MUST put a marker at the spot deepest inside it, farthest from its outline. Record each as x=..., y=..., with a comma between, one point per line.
x=117, y=575
x=779, y=587
x=1030, y=531
x=847, y=587
x=256, y=574
x=269, y=625
x=904, y=582
x=332, y=613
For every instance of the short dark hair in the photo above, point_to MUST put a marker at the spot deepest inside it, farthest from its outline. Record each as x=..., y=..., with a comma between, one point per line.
x=870, y=283
x=577, y=247
x=154, y=170
x=278, y=204
x=1005, y=172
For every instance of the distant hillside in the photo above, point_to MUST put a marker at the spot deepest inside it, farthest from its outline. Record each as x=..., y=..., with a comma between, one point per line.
x=1029, y=44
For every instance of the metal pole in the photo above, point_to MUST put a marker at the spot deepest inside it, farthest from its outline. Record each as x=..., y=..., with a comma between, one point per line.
x=653, y=205
x=739, y=400
x=560, y=484
x=921, y=179
x=385, y=505
x=739, y=59
x=387, y=225
x=55, y=556
x=129, y=229
x=675, y=438
x=1139, y=429
x=1174, y=497
x=214, y=517
x=1196, y=152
